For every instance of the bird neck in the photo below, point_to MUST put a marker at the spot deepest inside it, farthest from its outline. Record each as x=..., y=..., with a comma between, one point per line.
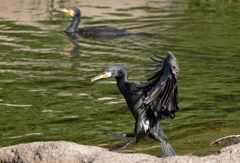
x=122, y=84
x=73, y=26
x=122, y=79
x=122, y=76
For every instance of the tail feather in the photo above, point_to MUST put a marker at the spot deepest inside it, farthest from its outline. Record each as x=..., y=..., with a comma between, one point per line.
x=167, y=149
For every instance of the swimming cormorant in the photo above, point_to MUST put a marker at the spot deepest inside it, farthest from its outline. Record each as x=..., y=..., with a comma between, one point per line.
x=150, y=101
x=96, y=31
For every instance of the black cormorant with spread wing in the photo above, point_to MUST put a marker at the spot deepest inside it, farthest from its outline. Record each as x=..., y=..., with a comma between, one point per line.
x=150, y=101
x=95, y=31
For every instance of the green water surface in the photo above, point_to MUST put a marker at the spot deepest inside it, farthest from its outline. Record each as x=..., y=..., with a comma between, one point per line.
x=45, y=88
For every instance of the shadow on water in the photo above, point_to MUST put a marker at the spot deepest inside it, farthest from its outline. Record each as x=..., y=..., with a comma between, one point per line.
x=46, y=93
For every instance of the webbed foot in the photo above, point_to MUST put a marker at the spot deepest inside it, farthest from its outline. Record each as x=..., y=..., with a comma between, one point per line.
x=123, y=137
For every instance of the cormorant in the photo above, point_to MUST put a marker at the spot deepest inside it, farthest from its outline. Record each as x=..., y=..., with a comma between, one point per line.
x=96, y=31
x=150, y=101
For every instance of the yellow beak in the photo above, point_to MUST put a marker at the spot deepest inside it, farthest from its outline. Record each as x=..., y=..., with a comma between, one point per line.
x=101, y=76
x=67, y=11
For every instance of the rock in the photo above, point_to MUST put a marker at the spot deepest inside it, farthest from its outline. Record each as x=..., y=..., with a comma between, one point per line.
x=68, y=152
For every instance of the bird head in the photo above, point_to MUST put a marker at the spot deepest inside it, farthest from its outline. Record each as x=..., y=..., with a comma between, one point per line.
x=71, y=10
x=115, y=71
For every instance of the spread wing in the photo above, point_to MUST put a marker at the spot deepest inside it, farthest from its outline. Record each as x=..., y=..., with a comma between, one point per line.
x=162, y=94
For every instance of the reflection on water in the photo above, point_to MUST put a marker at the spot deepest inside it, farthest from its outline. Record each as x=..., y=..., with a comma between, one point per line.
x=46, y=93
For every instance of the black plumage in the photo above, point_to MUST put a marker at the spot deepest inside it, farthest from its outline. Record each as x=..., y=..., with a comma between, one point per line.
x=150, y=101
x=96, y=31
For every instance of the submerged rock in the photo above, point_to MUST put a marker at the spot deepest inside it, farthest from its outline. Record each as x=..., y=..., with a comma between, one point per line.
x=68, y=152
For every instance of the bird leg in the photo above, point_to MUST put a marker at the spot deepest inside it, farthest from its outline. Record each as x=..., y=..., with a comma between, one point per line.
x=123, y=137
x=124, y=146
x=158, y=134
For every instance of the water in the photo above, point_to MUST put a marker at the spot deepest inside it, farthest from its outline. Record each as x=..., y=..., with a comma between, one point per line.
x=45, y=87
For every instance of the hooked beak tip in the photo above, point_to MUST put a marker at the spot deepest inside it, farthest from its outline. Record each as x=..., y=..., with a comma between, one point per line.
x=101, y=75
x=95, y=78
x=61, y=9
x=57, y=9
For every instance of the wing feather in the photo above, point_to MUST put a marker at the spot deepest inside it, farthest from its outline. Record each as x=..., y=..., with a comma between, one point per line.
x=163, y=88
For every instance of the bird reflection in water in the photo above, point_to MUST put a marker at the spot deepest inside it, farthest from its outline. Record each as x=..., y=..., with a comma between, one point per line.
x=72, y=49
